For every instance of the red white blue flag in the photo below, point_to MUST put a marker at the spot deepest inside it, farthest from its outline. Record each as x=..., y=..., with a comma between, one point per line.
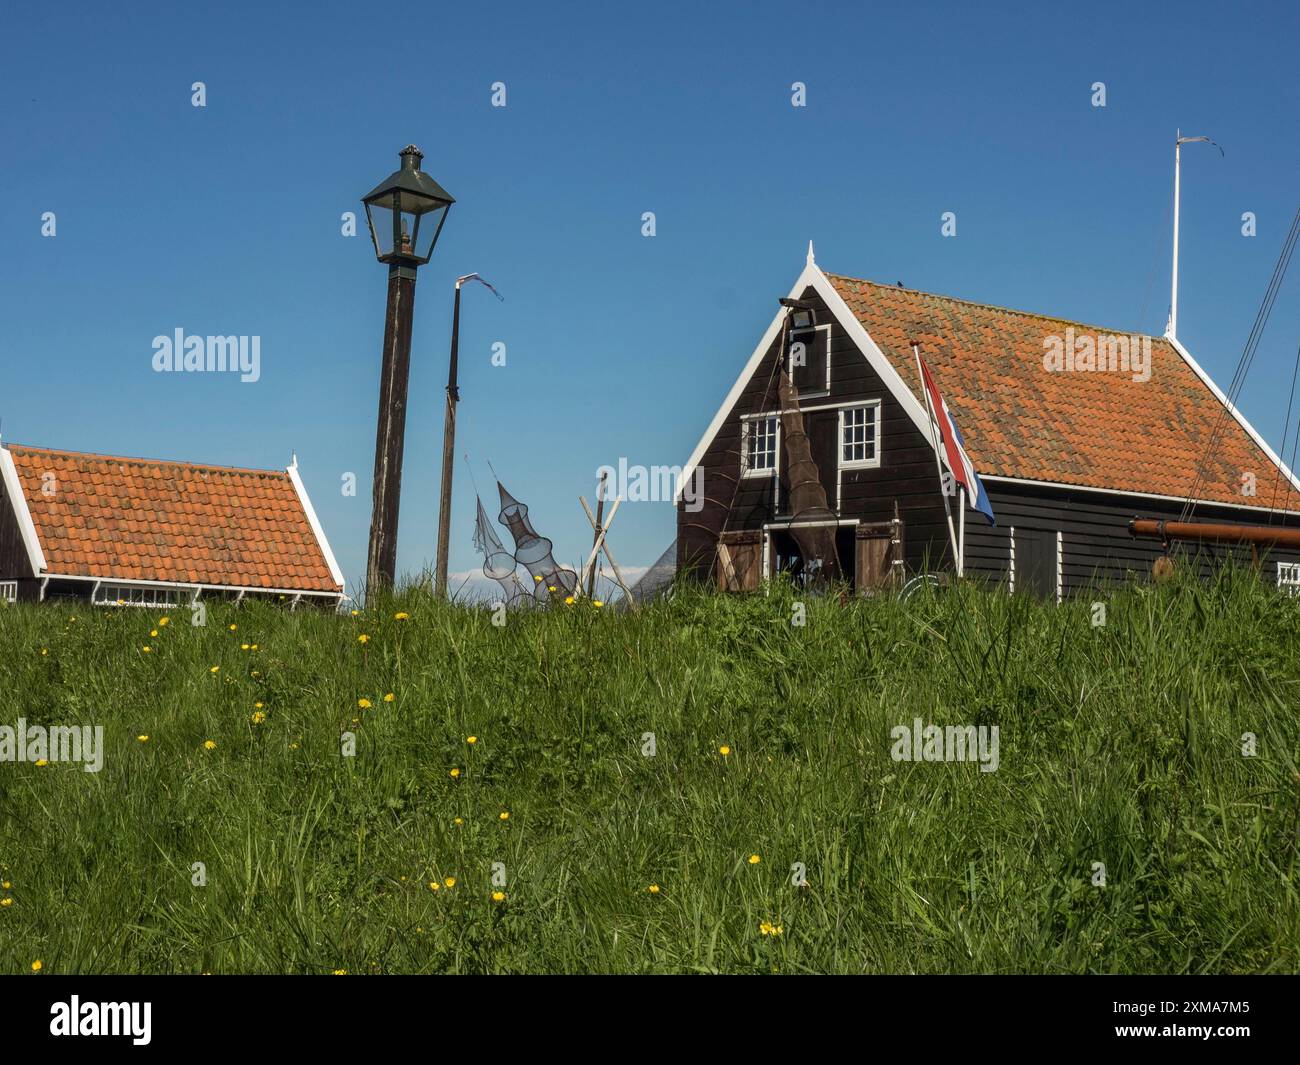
x=954, y=449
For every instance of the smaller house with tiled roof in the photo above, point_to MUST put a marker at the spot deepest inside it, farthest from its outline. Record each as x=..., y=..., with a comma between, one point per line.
x=1071, y=440
x=148, y=532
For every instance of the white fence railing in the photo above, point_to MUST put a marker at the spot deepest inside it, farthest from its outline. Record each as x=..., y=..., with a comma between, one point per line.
x=1288, y=577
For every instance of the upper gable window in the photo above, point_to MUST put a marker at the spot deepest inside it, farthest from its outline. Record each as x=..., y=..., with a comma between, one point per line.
x=758, y=445
x=810, y=360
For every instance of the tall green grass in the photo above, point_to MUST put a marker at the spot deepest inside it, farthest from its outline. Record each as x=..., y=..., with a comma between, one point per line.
x=1120, y=744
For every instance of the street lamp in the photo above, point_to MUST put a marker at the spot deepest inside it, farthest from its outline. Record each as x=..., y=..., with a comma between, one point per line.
x=405, y=213
x=449, y=436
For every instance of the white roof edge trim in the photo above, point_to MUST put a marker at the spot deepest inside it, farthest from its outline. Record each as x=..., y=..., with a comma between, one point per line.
x=997, y=478
x=135, y=582
x=26, y=527
x=1241, y=418
x=813, y=276
x=317, y=530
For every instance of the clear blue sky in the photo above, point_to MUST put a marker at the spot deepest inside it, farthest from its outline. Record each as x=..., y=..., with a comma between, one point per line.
x=226, y=219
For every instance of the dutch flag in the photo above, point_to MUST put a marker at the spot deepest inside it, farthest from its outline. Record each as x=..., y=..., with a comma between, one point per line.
x=954, y=449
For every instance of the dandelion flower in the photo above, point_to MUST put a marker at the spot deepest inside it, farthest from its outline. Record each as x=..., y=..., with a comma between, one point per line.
x=754, y=859
x=253, y=647
x=36, y=965
x=504, y=815
x=597, y=603
x=724, y=750
x=568, y=600
x=257, y=706
x=455, y=772
x=450, y=881
x=143, y=738
x=434, y=885
x=6, y=885
x=389, y=697
x=153, y=633
x=498, y=896
x=233, y=627
x=243, y=647
x=162, y=622
x=550, y=588
x=363, y=638
x=215, y=669
x=146, y=649
x=457, y=821
x=401, y=615
x=257, y=718
x=364, y=704
x=209, y=745
x=538, y=579
x=356, y=613
x=45, y=650
x=6, y=902
x=471, y=739
x=340, y=972
x=42, y=761
x=653, y=889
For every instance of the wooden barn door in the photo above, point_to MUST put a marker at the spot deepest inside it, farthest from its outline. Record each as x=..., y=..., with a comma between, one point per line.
x=875, y=557
x=740, y=561
x=1036, y=562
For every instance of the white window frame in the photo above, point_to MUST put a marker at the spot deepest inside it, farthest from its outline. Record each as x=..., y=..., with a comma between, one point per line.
x=859, y=464
x=8, y=591
x=109, y=594
x=1288, y=577
x=794, y=336
x=767, y=471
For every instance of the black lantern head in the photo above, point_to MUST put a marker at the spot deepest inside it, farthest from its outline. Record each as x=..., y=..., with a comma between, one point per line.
x=803, y=313
x=406, y=213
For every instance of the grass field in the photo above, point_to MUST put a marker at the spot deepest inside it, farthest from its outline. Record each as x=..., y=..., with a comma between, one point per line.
x=1120, y=744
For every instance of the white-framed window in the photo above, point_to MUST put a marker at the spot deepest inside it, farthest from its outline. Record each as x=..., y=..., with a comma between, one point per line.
x=1288, y=577
x=810, y=360
x=860, y=436
x=758, y=444
x=135, y=595
x=8, y=591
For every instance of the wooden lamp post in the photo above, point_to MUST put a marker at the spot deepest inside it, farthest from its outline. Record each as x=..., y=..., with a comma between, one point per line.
x=405, y=213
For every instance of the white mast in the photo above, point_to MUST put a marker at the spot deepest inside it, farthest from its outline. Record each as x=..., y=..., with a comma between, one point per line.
x=1179, y=140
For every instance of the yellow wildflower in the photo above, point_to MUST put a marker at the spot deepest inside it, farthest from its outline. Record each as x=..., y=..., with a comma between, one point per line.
x=504, y=815
x=6, y=902
x=401, y=615
x=724, y=750
x=653, y=889
x=163, y=621
x=209, y=745
x=363, y=638
x=143, y=738
x=450, y=881
x=257, y=718
x=498, y=896
x=455, y=772
x=215, y=669
x=389, y=697
x=471, y=739
x=754, y=859
x=36, y=965
x=364, y=704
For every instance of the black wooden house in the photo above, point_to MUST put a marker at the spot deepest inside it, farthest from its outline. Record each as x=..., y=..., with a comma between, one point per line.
x=1074, y=430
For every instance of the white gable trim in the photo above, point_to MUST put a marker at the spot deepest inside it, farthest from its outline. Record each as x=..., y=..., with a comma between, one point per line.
x=813, y=277
x=26, y=527
x=1241, y=418
x=316, y=527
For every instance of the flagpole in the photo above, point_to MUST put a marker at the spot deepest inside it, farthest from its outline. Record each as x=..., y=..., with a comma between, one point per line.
x=938, y=464
x=961, y=535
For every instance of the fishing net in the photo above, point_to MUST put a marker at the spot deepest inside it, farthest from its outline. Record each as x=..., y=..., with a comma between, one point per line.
x=533, y=550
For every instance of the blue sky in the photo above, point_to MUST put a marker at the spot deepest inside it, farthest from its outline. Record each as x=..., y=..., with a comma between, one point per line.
x=226, y=219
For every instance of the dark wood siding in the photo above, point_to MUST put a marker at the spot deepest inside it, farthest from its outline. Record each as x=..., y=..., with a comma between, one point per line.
x=906, y=474
x=1096, y=547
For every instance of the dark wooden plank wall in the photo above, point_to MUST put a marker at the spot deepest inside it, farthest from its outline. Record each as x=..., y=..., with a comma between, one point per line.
x=1096, y=546
x=906, y=474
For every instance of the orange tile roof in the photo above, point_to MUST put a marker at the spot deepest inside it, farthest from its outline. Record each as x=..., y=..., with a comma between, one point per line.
x=144, y=519
x=1089, y=428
